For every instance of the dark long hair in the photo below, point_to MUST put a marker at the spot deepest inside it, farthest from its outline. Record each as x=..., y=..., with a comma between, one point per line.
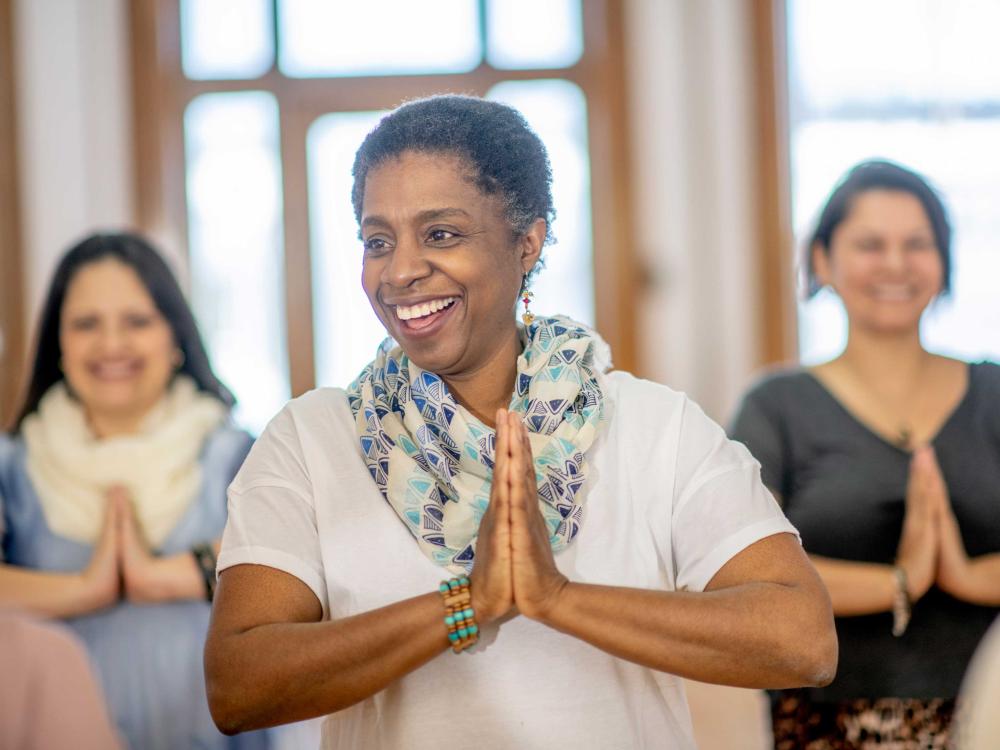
x=139, y=255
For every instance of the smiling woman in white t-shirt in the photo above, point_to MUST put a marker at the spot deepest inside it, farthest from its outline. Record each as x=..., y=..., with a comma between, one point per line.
x=598, y=535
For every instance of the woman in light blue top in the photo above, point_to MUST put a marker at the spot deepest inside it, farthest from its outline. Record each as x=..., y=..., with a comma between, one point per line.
x=112, y=486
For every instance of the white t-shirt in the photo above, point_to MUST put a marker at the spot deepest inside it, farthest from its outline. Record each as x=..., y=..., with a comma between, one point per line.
x=668, y=500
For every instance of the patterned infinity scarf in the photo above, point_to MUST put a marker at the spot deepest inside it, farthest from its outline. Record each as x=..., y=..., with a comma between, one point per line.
x=433, y=460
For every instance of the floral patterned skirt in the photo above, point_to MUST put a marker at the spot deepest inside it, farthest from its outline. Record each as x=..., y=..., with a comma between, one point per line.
x=861, y=724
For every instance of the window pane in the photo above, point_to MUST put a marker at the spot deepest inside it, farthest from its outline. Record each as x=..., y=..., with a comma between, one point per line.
x=846, y=108
x=347, y=331
x=961, y=159
x=235, y=226
x=534, y=33
x=864, y=52
x=557, y=111
x=226, y=38
x=380, y=37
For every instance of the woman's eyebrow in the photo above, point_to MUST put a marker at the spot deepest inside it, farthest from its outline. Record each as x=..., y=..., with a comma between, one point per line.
x=430, y=214
x=433, y=214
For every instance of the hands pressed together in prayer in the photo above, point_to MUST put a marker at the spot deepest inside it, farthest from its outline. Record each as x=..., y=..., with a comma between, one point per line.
x=514, y=564
x=931, y=550
x=123, y=567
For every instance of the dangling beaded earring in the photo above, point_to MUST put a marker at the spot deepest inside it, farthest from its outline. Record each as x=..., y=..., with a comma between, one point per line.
x=527, y=316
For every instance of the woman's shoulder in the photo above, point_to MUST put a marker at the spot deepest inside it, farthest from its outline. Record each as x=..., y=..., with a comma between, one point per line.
x=635, y=398
x=984, y=383
x=316, y=411
x=780, y=382
x=11, y=448
x=320, y=416
x=225, y=441
x=779, y=388
x=985, y=373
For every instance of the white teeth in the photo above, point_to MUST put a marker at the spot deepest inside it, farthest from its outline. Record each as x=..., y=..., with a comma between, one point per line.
x=408, y=312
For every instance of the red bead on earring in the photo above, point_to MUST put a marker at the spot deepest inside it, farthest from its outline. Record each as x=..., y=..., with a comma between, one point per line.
x=527, y=316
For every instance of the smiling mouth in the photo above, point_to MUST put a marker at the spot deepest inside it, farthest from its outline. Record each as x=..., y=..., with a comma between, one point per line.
x=423, y=314
x=115, y=370
x=894, y=293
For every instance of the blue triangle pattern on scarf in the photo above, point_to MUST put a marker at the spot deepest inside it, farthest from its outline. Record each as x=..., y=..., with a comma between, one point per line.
x=408, y=423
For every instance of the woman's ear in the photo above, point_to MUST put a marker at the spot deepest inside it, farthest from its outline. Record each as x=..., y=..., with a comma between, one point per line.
x=821, y=264
x=530, y=246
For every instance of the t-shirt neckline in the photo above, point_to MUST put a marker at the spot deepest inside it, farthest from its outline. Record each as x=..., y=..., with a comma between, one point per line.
x=883, y=438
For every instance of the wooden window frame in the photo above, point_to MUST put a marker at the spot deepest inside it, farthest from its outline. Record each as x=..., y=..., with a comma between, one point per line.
x=777, y=316
x=161, y=94
x=13, y=357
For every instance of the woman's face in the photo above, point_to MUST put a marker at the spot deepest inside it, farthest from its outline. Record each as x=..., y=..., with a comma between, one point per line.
x=883, y=261
x=441, y=268
x=117, y=350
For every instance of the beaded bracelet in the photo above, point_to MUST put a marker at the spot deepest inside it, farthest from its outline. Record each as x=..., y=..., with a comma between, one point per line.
x=459, y=617
x=901, y=604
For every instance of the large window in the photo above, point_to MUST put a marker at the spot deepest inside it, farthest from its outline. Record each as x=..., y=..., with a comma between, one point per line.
x=918, y=82
x=263, y=105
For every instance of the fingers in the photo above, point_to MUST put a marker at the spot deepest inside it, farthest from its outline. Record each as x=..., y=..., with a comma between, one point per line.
x=517, y=462
x=501, y=462
x=930, y=490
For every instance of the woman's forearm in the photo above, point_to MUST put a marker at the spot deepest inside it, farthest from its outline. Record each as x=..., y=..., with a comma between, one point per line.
x=856, y=588
x=759, y=634
x=57, y=595
x=282, y=672
x=982, y=585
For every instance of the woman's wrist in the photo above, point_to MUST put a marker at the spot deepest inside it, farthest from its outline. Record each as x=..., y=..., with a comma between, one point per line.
x=88, y=594
x=460, y=619
x=902, y=601
x=548, y=609
x=165, y=579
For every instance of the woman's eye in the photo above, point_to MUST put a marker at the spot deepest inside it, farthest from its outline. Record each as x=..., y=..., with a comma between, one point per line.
x=139, y=321
x=83, y=324
x=920, y=243
x=375, y=245
x=440, y=235
x=869, y=244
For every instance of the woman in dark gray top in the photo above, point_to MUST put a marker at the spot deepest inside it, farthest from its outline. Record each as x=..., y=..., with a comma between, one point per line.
x=887, y=459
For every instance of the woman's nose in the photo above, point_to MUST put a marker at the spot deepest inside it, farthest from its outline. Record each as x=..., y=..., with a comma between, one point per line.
x=113, y=339
x=895, y=258
x=407, y=263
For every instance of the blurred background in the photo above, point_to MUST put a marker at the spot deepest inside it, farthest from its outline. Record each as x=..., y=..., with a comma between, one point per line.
x=692, y=142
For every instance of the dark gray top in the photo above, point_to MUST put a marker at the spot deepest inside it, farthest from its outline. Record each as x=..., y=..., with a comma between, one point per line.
x=843, y=486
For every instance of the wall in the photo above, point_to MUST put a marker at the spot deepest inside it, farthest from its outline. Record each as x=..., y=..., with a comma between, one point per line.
x=690, y=74
x=73, y=117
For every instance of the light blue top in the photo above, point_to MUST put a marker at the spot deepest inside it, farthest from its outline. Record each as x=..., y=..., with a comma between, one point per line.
x=148, y=656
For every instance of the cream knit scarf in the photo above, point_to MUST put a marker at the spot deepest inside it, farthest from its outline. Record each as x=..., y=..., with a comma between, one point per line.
x=71, y=470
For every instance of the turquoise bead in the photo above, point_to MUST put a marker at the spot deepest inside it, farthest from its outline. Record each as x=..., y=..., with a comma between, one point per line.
x=473, y=629
x=453, y=637
x=443, y=588
x=453, y=583
x=467, y=614
x=463, y=633
x=449, y=620
x=463, y=581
